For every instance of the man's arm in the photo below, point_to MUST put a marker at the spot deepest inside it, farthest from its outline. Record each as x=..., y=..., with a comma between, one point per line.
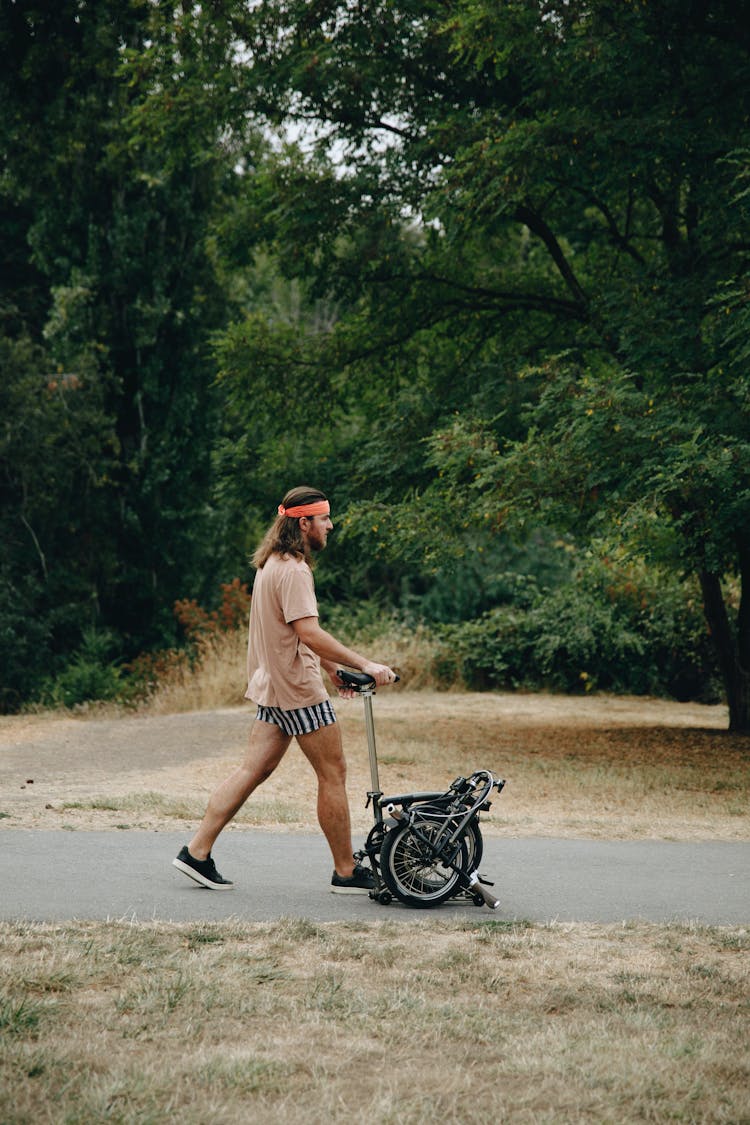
x=332, y=652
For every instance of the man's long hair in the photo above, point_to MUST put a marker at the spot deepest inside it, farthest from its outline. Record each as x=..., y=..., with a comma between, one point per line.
x=284, y=536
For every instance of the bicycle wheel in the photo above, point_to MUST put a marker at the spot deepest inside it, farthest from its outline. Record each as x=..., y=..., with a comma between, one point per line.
x=411, y=870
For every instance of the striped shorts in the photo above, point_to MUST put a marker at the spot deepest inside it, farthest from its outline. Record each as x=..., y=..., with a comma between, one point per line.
x=303, y=720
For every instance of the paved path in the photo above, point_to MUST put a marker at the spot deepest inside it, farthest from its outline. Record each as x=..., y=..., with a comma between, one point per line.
x=58, y=876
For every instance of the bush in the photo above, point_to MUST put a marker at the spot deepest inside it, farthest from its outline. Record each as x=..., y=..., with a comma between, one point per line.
x=209, y=637
x=201, y=626
x=90, y=675
x=24, y=642
x=615, y=627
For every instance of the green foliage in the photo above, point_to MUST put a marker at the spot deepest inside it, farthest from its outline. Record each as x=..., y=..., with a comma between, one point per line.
x=512, y=312
x=582, y=168
x=613, y=628
x=89, y=675
x=108, y=405
x=56, y=454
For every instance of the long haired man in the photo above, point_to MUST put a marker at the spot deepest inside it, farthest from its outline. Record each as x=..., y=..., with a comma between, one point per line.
x=287, y=649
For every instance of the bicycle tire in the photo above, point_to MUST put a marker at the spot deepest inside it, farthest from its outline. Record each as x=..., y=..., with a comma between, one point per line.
x=411, y=873
x=475, y=846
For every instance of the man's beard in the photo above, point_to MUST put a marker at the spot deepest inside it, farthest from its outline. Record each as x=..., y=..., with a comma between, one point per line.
x=315, y=542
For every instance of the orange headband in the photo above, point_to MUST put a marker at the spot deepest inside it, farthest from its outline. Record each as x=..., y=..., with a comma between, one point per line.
x=316, y=508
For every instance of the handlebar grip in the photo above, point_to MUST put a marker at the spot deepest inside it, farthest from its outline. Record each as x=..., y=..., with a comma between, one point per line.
x=480, y=889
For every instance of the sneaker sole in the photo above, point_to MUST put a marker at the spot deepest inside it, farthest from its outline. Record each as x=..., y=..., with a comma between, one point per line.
x=198, y=878
x=351, y=890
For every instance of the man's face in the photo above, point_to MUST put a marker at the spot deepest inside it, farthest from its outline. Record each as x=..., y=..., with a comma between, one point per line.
x=315, y=531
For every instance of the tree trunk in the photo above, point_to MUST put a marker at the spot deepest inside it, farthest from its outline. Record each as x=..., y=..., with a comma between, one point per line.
x=732, y=647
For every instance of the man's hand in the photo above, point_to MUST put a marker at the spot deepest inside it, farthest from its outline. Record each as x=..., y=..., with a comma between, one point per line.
x=344, y=691
x=380, y=673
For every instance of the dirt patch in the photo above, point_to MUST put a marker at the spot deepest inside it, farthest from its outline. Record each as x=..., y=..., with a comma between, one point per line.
x=597, y=766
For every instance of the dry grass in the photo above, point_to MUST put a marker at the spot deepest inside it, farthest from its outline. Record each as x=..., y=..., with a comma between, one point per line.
x=592, y=766
x=295, y=1022
x=596, y=766
x=215, y=682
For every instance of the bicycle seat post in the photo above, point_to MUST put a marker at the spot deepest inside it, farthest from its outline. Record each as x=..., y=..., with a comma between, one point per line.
x=375, y=793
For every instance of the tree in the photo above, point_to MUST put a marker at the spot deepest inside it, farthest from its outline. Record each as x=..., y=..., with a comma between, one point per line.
x=112, y=173
x=571, y=174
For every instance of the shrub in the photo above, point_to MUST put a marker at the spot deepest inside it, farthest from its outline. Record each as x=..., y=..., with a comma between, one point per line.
x=144, y=675
x=91, y=674
x=210, y=636
x=614, y=627
x=200, y=625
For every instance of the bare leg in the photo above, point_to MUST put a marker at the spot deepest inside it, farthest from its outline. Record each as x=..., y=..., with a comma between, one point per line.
x=266, y=747
x=324, y=752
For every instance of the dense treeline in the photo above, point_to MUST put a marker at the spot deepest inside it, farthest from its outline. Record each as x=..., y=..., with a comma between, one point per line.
x=110, y=295
x=477, y=269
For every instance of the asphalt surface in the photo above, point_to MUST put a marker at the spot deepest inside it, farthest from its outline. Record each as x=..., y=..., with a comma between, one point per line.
x=65, y=875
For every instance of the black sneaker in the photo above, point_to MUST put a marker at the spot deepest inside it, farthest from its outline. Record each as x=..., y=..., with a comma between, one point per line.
x=202, y=870
x=360, y=882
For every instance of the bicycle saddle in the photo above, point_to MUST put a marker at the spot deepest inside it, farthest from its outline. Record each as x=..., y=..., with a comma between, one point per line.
x=358, y=681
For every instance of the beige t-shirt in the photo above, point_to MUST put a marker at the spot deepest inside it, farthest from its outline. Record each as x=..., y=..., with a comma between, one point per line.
x=281, y=670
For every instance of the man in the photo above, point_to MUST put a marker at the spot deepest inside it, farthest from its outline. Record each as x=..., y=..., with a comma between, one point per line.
x=286, y=649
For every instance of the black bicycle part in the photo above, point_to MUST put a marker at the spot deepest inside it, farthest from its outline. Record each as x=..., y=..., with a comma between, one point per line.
x=424, y=847
x=418, y=872
x=358, y=681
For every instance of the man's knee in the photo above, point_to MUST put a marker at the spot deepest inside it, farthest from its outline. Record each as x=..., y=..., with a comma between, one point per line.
x=335, y=771
x=330, y=768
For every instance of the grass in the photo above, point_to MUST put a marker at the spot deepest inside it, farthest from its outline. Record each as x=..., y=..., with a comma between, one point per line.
x=574, y=767
x=212, y=683
x=569, y=773
x=157, y=804
x=295, y=1021
x=149, y=807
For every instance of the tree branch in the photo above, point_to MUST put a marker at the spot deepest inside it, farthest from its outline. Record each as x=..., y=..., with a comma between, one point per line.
x=39, y=551
x=536, y=224
x=542, y=302
x=618, y=238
